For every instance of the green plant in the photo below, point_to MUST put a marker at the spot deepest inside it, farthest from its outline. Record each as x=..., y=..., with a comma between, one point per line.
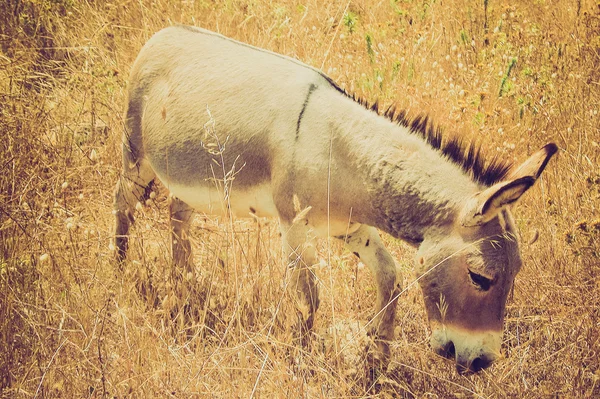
x=350, y=21
x=505, y=84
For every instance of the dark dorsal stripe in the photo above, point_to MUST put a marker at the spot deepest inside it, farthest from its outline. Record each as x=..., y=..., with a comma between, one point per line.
x=311, y=88
x=466, y=155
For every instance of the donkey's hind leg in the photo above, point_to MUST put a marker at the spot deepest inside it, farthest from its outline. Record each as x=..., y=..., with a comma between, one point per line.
x=366, y=244
x=181, y=215
x=187, y=311
x=301, y=253
x=134, y=185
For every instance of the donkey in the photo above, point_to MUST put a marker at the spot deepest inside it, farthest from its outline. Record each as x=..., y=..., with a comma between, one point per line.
x=291, y=137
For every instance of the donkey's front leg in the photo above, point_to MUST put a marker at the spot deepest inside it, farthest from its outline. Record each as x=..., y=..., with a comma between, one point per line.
x=366, y=244
x=298, y=244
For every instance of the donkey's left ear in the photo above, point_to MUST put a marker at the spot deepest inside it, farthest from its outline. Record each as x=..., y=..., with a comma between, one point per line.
x=535, y=164
x=486, y=205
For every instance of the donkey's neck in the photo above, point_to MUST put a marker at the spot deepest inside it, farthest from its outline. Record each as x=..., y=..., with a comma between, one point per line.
x=410, y=187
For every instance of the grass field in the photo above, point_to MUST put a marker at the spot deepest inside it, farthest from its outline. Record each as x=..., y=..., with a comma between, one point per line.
x=513, y=75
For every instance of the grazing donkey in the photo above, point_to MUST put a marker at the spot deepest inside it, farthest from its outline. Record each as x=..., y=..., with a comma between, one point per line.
x=289, y=135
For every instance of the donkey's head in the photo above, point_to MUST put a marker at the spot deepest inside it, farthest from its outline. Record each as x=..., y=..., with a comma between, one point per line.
x=467, y=269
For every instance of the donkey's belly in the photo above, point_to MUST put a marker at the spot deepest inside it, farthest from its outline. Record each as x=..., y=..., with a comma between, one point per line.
x=240, y=202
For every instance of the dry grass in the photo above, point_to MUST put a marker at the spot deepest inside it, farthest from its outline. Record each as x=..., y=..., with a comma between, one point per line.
x=73, y=325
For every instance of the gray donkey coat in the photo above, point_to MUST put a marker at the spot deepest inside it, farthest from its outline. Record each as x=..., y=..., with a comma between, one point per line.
x=232, y=129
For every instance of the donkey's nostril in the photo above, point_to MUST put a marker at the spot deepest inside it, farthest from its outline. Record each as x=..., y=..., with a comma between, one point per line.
x=449, y=350
x=479, y=363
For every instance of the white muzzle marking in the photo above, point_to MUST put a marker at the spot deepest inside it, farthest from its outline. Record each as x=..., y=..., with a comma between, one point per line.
x=472, y=350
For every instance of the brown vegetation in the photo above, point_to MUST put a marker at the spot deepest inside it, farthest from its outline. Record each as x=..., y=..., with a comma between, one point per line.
x=513, y=75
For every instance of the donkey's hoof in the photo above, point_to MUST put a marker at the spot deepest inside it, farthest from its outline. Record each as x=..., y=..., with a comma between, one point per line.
x=377, y=357
x=303, y=330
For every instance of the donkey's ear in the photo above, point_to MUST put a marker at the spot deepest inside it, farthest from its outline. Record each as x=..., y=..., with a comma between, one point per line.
x=505, y=193
x=535, y=164
x=485, y=205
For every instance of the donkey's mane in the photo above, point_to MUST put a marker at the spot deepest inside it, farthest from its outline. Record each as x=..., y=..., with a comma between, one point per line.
x=467, y=155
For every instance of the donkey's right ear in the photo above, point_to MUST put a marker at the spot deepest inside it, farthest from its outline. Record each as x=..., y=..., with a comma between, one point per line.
x=485, y=205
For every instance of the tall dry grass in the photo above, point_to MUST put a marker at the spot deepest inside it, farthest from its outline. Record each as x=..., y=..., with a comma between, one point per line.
x=513, y=75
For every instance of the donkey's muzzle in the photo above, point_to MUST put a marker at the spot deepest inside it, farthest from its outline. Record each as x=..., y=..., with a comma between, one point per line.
x=472, y=351
x=465, y=364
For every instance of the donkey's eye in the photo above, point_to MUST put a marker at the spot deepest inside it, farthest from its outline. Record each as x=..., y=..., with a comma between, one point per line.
x=480, y=281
